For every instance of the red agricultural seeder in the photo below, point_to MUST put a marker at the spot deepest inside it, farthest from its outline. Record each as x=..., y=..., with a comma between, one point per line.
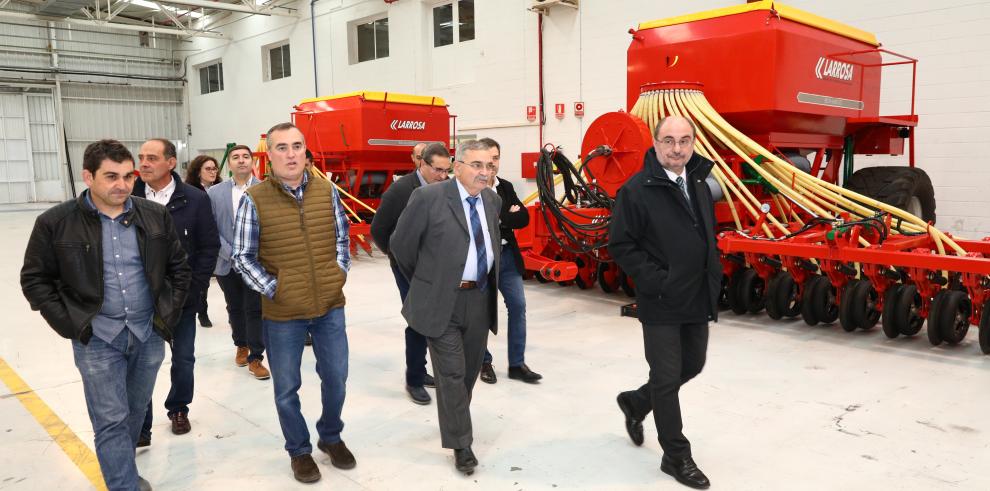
x=362, y=141
x=789, y=89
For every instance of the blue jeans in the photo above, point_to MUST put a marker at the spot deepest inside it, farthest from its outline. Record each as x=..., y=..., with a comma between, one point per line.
x=183, y=358
x=510, y=284
x=285, y=341
x=118, y=379
x=415, y=342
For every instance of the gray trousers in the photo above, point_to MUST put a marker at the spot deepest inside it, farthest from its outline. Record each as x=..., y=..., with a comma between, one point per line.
x=456, y=356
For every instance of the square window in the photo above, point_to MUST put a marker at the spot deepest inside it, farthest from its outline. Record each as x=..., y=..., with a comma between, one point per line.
x=372, y=39
x=279, y=63
x=211, y=78
x=465, y=17
x=444, y=33
x=443, y=25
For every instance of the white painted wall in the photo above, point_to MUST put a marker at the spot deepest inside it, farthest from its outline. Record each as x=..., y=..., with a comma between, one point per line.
x=489, y=82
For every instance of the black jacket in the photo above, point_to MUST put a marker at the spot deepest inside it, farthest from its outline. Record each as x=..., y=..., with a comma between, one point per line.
x=509, y=221
x=63, y=266
x=192, y=215
x=393, y=202
x=670, y=255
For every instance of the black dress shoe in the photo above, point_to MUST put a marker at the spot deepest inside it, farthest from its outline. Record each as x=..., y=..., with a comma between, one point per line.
x=465, y=461
x=522, y=372
x=685, y=471
x=418, y=395
x=428, y=381
x=204, y=321
x=309, y=339
x=488, y=373
x=634, y=425
x=143, y=441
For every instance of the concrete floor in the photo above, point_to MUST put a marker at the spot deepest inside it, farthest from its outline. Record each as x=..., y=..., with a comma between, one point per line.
x=780, y=405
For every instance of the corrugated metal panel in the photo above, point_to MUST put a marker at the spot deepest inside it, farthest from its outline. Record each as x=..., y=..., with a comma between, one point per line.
x=44, y=137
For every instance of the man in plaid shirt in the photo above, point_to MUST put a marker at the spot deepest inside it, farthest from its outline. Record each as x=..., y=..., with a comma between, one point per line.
x=291, y=245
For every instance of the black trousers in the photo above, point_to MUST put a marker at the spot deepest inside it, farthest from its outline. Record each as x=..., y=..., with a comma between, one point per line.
x=676, y=354
x=244, y=314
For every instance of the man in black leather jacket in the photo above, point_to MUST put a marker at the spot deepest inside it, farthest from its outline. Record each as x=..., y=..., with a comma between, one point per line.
x=107, y=271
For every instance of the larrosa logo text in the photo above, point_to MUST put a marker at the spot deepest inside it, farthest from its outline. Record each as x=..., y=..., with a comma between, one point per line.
x=833, y=69
x=398, y=124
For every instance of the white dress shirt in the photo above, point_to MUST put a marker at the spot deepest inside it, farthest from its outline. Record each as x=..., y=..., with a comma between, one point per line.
x=160, y=197
x=237, y=191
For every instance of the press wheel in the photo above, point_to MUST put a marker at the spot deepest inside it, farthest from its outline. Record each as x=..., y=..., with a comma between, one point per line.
x=956, y=310
x=846, y=307
x=864, y=304
x=906, y=315
x=888, y=320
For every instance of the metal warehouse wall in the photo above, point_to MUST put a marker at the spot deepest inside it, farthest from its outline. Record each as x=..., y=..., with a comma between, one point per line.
x=119, y=89
x=489, y=81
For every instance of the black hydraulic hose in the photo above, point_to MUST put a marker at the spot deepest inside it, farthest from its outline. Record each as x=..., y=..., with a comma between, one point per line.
x=582, y=233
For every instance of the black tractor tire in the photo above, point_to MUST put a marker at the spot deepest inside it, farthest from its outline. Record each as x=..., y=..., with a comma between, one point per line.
x=906, y=313
x=752, y=291
x=846, y=307
x=771, y=302
x=985, y=328
x=864, y=298
x=907, y=188
x=810, y=297
x=825, y=307
x=955, y=316
x=934, y=318
x=788, y=300
x=888, y=322
x=735, y=298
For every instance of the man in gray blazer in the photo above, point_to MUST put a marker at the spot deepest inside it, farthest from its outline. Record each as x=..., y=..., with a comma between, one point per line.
x=447, y=245
x=243, y=303
x=435, y=167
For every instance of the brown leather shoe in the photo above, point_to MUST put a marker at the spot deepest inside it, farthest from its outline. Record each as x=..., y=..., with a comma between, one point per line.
x=304, y=468
x=258, y=370
x=340, y=456
x=241, y=358
x=180, y=423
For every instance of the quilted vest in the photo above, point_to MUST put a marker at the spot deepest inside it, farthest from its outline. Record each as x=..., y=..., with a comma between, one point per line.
x=298, y=245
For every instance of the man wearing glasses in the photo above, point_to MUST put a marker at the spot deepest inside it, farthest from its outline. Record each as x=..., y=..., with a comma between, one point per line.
x=663, y=235
x=436, y=167
x=446, y=244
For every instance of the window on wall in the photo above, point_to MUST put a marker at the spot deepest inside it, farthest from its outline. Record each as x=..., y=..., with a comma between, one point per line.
x=372, y=39
x=276, y=61
x=211, y=78
x=445, y=30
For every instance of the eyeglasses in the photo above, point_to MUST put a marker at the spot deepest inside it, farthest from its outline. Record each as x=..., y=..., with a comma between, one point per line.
x=438, y=170
x=479, y=166
x=683, y=142
x=210, y=169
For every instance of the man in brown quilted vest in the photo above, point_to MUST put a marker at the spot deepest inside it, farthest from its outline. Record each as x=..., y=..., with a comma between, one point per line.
x=291, y=245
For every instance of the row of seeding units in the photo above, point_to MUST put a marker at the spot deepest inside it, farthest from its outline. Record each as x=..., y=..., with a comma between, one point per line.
x=783, y=100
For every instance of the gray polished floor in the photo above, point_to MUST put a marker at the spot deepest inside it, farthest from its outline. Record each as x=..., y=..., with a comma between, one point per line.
x=779, y=406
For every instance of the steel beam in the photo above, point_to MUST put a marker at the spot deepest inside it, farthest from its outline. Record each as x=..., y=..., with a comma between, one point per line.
x=233, y=7
x=110, y=25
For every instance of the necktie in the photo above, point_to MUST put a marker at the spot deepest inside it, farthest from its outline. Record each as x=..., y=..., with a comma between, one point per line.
x=680, y=184
x=479, y=243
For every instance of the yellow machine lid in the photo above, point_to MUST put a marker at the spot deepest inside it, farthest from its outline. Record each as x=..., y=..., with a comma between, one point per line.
x=421, y=100
x=786, y=12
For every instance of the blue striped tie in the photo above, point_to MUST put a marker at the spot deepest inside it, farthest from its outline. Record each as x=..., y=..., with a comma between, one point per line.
x=479, y=243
